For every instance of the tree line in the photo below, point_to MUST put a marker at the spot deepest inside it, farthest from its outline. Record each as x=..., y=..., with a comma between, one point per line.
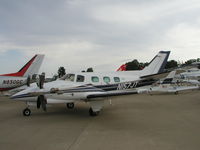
x=136, y=65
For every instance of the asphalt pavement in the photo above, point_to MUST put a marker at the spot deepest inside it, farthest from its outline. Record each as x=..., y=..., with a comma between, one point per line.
x=136, y=122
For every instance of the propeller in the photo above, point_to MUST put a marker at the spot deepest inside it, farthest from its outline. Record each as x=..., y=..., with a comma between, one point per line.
x=40, y=80
x=42, y=101
x=28, y=81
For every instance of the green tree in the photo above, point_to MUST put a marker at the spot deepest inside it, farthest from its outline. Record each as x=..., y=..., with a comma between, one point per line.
x=133, y=65
x=61, y=72
x=171, y=64
x=189, y=62
x=143, y=65
x=90, y=69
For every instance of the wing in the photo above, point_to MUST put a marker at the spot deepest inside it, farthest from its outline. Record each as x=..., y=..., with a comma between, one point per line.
x=183, y=88
x=110, y=94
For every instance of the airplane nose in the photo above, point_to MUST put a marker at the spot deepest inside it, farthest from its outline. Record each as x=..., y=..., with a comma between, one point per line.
x=14, y=96
x=18, y=95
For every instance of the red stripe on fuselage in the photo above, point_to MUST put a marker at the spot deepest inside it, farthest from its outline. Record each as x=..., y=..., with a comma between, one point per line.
x=6, y=89
x=22, y=71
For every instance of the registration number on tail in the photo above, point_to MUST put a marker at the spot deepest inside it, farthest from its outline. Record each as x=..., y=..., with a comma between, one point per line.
x=12, y=81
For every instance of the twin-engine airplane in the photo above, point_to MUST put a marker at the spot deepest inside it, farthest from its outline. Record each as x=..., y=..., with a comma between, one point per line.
x=90, y=87
x=13, y=80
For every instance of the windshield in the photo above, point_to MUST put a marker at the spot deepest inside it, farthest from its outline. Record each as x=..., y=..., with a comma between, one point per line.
x=68, y=77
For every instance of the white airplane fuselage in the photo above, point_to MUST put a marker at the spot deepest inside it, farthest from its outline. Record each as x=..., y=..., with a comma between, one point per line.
x=191, y=74
x=91, y=87
x=66, y=83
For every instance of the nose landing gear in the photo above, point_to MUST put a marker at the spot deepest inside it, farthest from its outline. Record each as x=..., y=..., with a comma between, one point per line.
x=70, y=105
x=26, y=112
x=93, y=113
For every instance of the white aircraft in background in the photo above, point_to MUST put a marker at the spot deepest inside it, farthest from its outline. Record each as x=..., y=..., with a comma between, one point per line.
x=168, y=85
x=191, y=74
x=90, y=87
x=13, y=80
x=193, y=82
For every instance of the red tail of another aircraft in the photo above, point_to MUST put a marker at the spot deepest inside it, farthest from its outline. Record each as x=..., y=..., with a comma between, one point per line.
x=122, y=68
x=30, y=68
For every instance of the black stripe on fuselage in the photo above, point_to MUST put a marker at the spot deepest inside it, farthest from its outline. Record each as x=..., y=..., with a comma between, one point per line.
x=167, y=81
x=99, y=88
x=110, y=94
x=125, y=85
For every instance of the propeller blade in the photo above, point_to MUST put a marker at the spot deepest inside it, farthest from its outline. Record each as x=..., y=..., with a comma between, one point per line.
x=38, y=102
x=40, y=80
x=42, y=101
x=28, y=81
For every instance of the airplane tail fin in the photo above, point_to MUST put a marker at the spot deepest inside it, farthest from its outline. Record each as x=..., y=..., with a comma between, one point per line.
x=122, y=68
x=157, y=64
x=169, y=78
x=30, y=68
x=167, y=81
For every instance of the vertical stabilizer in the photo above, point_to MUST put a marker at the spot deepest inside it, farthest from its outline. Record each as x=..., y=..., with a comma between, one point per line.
x=35, y=65
x=122, y=68
x=157, y=64
x=169, y=78
x=30, y=68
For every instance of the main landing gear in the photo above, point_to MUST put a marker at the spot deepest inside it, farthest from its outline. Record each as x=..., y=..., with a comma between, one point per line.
x=26, y=112
x=176, y=92
x=70, y=105
x=93, y=113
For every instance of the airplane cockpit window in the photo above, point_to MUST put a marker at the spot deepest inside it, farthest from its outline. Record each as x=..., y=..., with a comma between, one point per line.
x=95, y=79
x=68, y=77
x=116, y=79
x=80, y=78
x=106, y=79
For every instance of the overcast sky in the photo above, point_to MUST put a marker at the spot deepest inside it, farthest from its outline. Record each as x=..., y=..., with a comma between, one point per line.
x=102, y=34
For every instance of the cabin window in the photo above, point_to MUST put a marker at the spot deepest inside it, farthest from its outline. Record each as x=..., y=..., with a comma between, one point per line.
x=70, y=77
x=106, y=79
x=80, y=78
x=95, y=79
x=116, y=79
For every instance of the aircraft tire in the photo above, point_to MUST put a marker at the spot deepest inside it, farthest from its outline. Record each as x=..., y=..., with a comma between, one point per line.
x=26, y=112
x=93, y=113
x=70, y=105
x=176, y=92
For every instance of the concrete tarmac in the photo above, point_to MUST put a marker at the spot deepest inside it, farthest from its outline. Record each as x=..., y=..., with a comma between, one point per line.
x=140, y=122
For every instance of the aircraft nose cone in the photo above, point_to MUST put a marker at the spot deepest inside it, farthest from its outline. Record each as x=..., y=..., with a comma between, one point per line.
x=14, y=96
x=18, y=95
